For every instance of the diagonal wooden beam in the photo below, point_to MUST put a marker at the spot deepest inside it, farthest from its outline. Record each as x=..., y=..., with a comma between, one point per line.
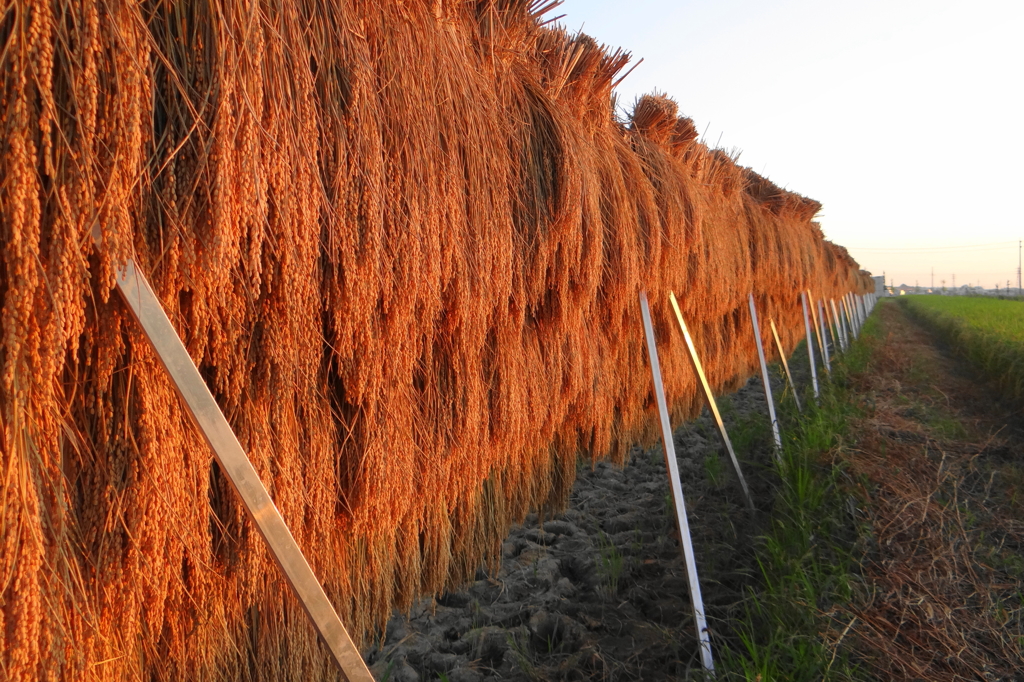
x=785, y=364
x=698, y=369
x=208, y=418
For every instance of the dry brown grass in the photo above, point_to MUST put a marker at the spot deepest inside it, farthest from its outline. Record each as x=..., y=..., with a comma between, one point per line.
x=938, y=609
x=943, y=577
x=403, y=242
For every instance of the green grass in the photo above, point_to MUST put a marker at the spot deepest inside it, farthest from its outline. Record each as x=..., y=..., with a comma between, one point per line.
x=989, y=333
x=713, y=469
x=806, y=557
x=612, y=564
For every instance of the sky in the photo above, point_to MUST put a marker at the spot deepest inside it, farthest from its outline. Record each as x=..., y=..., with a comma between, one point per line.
x=904, y=118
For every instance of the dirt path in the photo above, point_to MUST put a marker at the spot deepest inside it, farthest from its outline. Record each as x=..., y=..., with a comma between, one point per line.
x=600, y=592
x=940, y=460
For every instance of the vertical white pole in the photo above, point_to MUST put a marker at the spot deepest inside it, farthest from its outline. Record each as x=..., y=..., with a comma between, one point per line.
x=677, y=492
x=845, y=307
x=822, y=341
x=826, y=325
x=810, y=344
x=849, y=318
x=764, y=378
x=824, y=337
x=834, y=330
x=843, y=338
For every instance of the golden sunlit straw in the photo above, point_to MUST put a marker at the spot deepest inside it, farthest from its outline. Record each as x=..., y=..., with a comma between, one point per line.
x=403, y=245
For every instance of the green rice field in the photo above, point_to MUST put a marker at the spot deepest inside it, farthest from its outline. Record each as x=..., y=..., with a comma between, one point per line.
x=988, y=332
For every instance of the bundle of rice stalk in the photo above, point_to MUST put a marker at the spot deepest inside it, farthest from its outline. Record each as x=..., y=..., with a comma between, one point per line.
x=403, y=244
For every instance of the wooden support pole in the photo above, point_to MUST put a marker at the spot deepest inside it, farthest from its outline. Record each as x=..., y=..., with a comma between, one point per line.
x=847, y=323
x=785, y=364
x=833, y=331
x=843, y=339
x=844, y=305
x=825, y=335
x=698, y=369
x=145, y=307
x=852, y=307
x=849, y=316
x=818, y=333
x=819, y=326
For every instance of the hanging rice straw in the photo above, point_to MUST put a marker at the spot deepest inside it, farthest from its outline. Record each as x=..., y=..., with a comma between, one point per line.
x=401, y=242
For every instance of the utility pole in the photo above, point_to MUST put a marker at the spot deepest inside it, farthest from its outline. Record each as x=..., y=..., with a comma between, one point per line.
x=1019, y=291
x=954, y=282
x=933, y=279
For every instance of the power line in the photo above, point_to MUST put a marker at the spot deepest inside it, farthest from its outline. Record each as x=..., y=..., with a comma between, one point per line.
x=992, y=246
x=935, y=250
x=923, y=274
